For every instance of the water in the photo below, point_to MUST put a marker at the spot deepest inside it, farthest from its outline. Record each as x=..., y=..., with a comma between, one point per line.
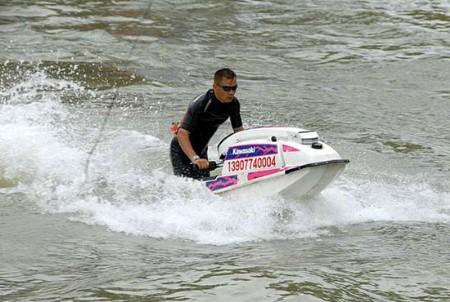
x=371, y=77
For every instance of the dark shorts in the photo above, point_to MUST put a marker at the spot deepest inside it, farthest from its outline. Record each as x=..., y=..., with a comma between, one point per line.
x=182, y=165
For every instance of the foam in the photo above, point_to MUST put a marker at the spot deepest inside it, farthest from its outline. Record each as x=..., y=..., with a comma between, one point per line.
x=126, y=195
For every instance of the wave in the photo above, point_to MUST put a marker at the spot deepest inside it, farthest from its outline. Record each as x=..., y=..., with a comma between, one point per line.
x=43, y=155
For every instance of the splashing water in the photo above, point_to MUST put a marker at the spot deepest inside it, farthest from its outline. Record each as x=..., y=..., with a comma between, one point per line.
x=42, y=155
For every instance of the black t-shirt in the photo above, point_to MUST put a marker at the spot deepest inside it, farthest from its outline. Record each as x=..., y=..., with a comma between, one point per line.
x=205, y=114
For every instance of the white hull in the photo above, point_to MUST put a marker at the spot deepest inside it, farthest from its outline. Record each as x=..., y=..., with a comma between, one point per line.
x=308, y=181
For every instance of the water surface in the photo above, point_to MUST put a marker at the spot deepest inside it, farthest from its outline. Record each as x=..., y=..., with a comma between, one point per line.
x=89, y=209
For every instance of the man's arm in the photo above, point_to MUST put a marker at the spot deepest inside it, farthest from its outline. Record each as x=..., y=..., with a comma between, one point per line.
x=186, y=146
x=235, y=118
x=185, y=143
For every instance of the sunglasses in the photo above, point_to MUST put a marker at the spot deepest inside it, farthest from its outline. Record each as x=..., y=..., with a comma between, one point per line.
x=229, y=88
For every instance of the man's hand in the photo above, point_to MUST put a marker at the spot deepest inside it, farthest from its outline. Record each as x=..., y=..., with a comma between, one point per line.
x=202, y=163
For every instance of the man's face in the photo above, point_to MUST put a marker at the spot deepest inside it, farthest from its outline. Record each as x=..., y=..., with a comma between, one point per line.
x=225, y=89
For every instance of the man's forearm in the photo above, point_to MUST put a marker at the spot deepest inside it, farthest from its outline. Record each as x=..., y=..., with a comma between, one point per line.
x=185, y=143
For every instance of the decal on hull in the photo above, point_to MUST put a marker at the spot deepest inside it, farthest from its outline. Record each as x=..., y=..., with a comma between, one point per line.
x=222, y=182
x=251, y=151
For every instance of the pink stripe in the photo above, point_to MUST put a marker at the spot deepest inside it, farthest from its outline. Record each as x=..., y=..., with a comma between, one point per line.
x=222, y=182
x=254, y=175
x=287, y=148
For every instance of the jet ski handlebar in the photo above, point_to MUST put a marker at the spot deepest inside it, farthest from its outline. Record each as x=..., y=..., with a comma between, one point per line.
x=212, y=165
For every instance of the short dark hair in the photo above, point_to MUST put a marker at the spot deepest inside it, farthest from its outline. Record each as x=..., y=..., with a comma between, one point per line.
x=224, y=73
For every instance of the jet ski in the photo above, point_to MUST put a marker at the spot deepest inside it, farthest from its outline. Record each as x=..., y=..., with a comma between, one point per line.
x=288, y=161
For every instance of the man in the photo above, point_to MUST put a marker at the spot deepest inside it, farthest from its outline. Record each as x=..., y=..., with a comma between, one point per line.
x=188, y=149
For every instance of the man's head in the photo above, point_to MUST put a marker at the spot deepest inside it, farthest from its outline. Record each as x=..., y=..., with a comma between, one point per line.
x=225, y=85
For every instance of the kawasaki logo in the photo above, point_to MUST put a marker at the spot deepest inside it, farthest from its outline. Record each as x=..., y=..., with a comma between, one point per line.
x=244, y=151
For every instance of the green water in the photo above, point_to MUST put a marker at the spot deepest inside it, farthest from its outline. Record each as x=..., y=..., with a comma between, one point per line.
x=371, y=77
